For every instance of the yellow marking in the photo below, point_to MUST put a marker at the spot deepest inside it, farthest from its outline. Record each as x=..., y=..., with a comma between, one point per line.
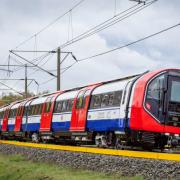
x=127, y=153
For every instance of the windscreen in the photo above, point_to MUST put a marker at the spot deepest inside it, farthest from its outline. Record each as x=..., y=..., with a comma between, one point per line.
x=175, y=91
x=174, y=101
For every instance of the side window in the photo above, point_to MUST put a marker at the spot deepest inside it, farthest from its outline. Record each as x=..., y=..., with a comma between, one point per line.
x=63, y=106
x=40, y=109
x=48, y=104
x=25, y=111
x=57, y=108
x=96, y=101
x=105, y=100
x=80, y=100
x=69, y=104
x=12, y=113
x=34, y=110
x=19, y=111
x=117, y=98
x=154, y=96
x=109, y=99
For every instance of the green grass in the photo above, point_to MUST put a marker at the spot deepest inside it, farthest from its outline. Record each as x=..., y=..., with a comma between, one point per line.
x=16, y=167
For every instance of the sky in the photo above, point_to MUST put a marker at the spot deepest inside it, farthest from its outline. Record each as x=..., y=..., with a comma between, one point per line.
x=21, y=19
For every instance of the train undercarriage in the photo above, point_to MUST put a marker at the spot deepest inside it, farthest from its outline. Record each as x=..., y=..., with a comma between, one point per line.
x=116, y=140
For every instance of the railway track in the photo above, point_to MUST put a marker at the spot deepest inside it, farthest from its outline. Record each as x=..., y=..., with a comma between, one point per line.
x=175, y=156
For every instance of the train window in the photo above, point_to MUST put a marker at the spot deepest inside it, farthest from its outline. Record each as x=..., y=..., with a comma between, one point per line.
x=69, y=104
x=57, y=108
x=105, y=100
x=117, y=98
x=12, y=113
x=47, y=107
x=19, y=111
x=2, y=114
x=111, y=99
x=64, y=106
x=33, y=110
x=37, y=109
x=30, y=110
x=25, y=111
x=96, y=101
x=154, y=101
x=40, y=108
x=80, y=100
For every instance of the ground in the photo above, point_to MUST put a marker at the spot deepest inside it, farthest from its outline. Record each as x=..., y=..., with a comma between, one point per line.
x=16, y=167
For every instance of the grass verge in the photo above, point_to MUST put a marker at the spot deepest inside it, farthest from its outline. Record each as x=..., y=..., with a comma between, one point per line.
x=16, y=167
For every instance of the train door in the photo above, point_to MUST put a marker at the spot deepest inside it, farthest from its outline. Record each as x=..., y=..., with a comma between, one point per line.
x=80, y=108
x=47, y=113
x=19, y=116
x=173, y=100
x=5, y=120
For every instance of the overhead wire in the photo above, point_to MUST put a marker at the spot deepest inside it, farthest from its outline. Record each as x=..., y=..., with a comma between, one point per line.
x=50, y=24
x=99, y=27
x=103, y=24
x=109, y=22
x=11, y=88
x=131, y=43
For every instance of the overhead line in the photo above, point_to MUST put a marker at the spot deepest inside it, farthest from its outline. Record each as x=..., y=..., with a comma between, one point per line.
x=91, y=32
x=11, y=88
x=109, y=22
x=33, y=64
x=91, y=29
x=131, y=43
x=50, y=24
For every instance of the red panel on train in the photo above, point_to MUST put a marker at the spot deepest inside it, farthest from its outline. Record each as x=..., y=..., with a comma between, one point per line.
x=80, y=108
x=5, y=120
x=47, y=113
x=19, y=116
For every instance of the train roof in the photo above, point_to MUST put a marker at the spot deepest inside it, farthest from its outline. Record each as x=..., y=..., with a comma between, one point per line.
x=112, y=86
x=68, y=93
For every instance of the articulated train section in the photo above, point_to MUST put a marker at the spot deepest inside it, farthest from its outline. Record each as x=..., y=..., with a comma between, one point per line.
x=136, y=111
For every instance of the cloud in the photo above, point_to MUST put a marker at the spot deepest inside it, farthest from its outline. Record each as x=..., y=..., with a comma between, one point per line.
x=20, y=19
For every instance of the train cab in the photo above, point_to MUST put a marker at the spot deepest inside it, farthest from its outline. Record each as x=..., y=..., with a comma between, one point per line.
x=156, y=111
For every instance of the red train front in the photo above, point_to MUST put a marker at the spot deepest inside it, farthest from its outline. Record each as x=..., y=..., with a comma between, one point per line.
x=155, y=113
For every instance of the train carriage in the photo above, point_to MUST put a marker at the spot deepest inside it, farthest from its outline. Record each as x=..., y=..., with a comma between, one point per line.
x=63, y=111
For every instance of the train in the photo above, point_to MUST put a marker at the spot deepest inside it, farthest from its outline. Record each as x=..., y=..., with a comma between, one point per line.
x=142, y=110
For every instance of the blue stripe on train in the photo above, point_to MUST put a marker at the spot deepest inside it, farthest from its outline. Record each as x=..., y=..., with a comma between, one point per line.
x=10, y=127
x=106, y=125
x=31, y=127
x=92, y=125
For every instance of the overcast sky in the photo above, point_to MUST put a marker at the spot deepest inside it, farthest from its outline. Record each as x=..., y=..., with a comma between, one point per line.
x=21, y=19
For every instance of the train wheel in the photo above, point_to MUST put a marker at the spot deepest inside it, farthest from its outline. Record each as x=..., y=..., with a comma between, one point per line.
x=35, y=137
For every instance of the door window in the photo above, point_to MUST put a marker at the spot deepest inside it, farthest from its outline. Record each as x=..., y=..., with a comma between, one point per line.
x=154, y=98
x=48, y=105
x=80, y=100
x=174, y=101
